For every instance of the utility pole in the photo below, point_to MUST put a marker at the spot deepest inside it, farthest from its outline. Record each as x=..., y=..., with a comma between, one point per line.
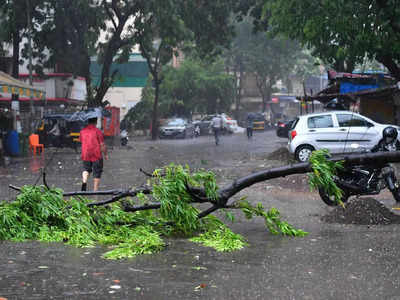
x=28, y=11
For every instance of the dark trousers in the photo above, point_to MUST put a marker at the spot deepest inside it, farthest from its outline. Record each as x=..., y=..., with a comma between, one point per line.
x=216, y=135
x=249, y=132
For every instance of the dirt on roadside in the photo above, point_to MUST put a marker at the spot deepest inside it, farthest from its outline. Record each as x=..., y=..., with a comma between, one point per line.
x=282, y=154
x=362, y=211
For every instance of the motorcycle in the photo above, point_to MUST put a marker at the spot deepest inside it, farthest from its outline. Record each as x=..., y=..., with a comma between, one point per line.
x=363, y=180
x=124, y=138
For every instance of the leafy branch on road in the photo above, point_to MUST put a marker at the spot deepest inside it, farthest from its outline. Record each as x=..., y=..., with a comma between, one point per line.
x=323, y=172
x=134, y=221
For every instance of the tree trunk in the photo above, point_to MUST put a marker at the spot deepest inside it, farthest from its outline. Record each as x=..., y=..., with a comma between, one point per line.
x=15, y=73
x=299, y=168
x=154, y=121
x=389, y=63
x=266, y=97
x=106, y=78
x=238, y=94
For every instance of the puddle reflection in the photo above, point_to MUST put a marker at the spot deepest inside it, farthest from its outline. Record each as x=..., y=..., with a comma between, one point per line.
x=36, y=163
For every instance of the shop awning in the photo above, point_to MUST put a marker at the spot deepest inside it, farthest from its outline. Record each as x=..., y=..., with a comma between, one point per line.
x=9, y=84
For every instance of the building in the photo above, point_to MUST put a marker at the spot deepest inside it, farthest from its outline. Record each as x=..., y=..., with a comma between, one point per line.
x=283, y=104
x=375, y=95
x=63, y=92
x=131, y=78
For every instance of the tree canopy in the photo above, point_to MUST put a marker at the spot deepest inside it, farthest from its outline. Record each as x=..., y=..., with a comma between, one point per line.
x=340, y=32
x=165, y=26
x=266, y=58
x=194, y=87
x=66, y=34
x=197, y=86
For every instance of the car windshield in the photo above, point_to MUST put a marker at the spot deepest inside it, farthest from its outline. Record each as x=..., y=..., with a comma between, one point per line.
x=176, y=122
x=258, y=117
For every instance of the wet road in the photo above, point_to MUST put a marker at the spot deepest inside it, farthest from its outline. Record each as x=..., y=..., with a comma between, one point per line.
x=333, y=262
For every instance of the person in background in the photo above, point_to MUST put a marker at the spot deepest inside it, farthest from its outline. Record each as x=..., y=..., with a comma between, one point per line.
x=249, y=126
x=93, y=151
x=216, y=124
x=55, y=134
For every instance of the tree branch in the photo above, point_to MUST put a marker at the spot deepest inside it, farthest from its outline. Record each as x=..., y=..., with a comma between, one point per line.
x=146, y=173
x=208, y=211
x=348, y=160
x=44, y=179
x=90, y=193
x=143, y=207
x=197, y=194
x=119, y=196
x=13, y=187
x=110, y=16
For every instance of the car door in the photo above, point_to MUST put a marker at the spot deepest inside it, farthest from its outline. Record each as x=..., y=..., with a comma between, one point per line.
x=190, y=128
x=322, y=132
x=354, y=129
x=205, y=125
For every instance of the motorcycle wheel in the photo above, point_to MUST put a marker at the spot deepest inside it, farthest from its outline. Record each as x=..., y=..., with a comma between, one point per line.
x=396, y=194
x=396, y=191
x=330, y=200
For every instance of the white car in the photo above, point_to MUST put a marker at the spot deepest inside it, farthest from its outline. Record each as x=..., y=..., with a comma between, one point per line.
x=335, y=131
x=204, y=125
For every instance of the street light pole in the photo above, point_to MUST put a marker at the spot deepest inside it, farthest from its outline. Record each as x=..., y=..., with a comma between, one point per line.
x=28, y=10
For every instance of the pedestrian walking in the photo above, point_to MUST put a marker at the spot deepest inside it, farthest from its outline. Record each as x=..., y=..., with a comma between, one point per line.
x=55, y=135
x=216, y=124
x=93, y=151
x=249, y=126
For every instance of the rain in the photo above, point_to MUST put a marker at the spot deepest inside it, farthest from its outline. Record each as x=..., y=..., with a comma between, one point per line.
x=156, y=74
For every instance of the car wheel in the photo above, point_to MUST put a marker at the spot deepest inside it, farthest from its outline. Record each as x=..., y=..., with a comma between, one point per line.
x=303, y=153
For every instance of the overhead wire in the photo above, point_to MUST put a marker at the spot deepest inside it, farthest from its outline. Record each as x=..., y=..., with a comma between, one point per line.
x=348, y=131
x=43, y=170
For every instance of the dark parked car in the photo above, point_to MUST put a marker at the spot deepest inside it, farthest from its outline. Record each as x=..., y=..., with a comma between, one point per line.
x=177, y=127
x=282, y=129
x=204, y=125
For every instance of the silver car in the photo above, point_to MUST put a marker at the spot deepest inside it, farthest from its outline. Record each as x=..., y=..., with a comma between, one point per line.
x=177, y=128
x=335, y=131
x=204, y=125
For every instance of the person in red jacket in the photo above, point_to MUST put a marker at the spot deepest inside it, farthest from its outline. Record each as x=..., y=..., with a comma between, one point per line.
x=93, y=150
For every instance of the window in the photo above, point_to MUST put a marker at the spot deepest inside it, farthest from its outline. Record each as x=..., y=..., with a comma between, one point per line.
x=294, y=123
x=324, y=121
x=346, y=120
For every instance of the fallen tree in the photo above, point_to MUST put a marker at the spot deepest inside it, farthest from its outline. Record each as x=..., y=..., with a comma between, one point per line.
x=171, y=193
x=223, y=195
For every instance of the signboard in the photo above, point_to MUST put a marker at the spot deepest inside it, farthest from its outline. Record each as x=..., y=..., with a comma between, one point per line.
x=15, y=105
x=78, y=90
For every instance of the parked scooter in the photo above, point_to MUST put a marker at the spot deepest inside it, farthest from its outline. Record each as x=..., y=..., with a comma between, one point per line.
x=367, y=180
x=124, y=137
